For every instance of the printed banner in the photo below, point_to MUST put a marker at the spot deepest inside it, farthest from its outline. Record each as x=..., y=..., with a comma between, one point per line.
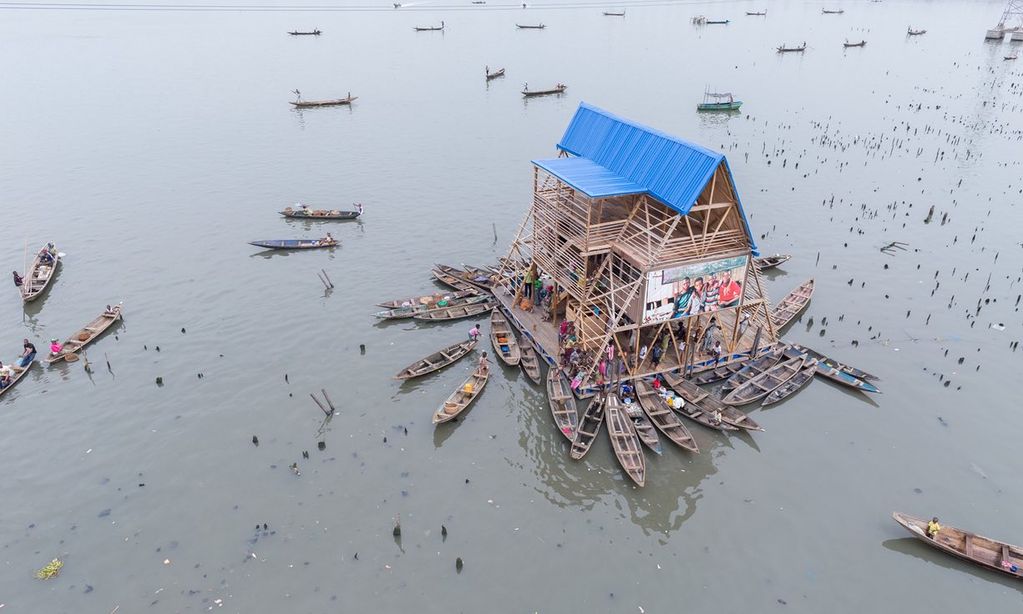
x=695, y=288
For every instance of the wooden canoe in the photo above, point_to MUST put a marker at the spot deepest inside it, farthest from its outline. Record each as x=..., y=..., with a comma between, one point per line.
x=529, y=361
x=457, y=312
x=643, y=426
x=493, y=75
x=700, y=406
x=409, y=312
x=503, y=338
x=835, y=371
x=624, y=440
x=765, y=383
x=795, y=384
x=19, y=372
x=769, y=262
x=439, y=28
x=482, y=277
x=38, y=277
x=426, y=299
x=319, y=214
x=663, y=418
x=984, y=551
x=751, y=369
x=436, y=361
x=452, y=281
x=309, y=33
x=611, y=14
x=469, y=275
x=793, y=303
x=834, y=364
x=559, y=395
x=461, y=399
x=717, y=373
x=589, y=427
x=558, y=89
x=295, y=243
x=538, y=26
x=330, y=102
x=89, y=333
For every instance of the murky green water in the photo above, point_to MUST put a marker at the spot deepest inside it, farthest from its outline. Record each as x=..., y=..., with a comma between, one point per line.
x=152, y=145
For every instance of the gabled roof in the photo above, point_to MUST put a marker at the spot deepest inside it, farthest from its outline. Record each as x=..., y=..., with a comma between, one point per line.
x=635, y=159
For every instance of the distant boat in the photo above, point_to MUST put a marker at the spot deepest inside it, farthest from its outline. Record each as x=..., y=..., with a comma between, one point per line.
x=493, y=75
x=439, y=28
x=538, y=26
x=613, y=14
x=757, y=13
x=479, y=1
x=330, y=102
x=719, y=22
x=718, y=102
x=397, y=5
x=558, y=89
x=295, y=243
x=310, y=33
x=1011, y=56
x=847, y=44
x=784, y=49
x=911, y=32
x=832, y=11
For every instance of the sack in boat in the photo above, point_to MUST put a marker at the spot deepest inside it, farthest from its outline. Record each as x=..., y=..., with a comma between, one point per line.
x=468, y=388
x=424, y=300
x=83, y=336
x=71, y=357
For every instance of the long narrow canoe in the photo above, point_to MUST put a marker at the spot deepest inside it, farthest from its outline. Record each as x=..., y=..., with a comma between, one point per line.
x=89, y=333
x=765, y=383
x=558, y=89
x=295, y=243
x=643, y=426
x=452, y=281
x=834, y=373
x=426, y=299
x=529, y=362
x=461, y=399
x=559, y=395
x=700, y=406
x=663, y=418
x=793, y=303
x=718, y=373
x=457, y=312
x=624, y=440
x=503, y=338
x=769, y=262
x=330, y=102
x=589, y=428
x=19, y=372
x=798, y=382
x=319, y=214
x=436, y=361
x=38, y=277
x=834, y=364
x=414, y=310
x=475, y=277
x=751, y=369
x=493, y=75
x=984, y=551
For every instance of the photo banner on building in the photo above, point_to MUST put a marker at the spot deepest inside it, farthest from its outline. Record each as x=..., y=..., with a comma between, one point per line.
x=689, y=290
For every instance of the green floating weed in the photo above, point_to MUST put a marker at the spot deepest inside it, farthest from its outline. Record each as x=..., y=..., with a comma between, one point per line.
x=50, y=570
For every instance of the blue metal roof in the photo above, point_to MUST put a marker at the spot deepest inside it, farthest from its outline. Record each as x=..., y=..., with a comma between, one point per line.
x=615, y=157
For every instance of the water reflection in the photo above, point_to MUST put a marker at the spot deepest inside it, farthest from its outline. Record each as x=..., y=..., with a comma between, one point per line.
x=914, y=547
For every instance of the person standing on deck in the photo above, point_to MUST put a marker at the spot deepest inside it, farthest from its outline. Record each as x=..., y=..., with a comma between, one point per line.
x=527, y=283
x=665, y=342
x=716, y=352
x=28, y=355
x=483, y=365
x=474, y=333
x=18, y=280
x=710, y=335
x=743, y=323
x=655, y=356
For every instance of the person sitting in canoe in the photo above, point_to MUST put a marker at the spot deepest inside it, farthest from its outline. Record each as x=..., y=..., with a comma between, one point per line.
x=933, y=528
x=328, y=240
x=55, y=348
x=46, y=254
x=28, y=355
x=6, y=375
x=112, y=311
x=18, y=280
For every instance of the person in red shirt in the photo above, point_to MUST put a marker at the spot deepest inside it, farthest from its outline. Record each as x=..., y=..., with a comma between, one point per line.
x=729, y=291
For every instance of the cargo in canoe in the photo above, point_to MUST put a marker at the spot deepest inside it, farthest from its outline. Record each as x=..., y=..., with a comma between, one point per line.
x=457, y=312
x=795, y=384
x=296, y=243
x=319, y=214
x=89, y=333
x=589, y=427
x=436, y=361
x=700, y=406
x=463, y=397
x=452, y=281
x=38, y=277
x=656, y=408
x=426, y=299
x=984, y=551
x=412, y=311
x=19, y=372
x=643, y=426
x=559, y=395
x=475, y=277
x=793, y=303
x=769, y=262
x=503, y=338
x=624, y=440
x=529, y=362
x=765, y=383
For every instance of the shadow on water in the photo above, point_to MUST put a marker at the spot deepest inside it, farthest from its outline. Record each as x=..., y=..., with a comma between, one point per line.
x=914, y=547
x=271, y=253
x=849, y=392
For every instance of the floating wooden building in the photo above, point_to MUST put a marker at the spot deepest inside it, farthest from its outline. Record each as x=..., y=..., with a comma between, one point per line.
x=644, y=239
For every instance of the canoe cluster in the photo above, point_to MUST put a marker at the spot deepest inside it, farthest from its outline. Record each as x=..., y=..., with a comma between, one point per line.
x=635, y=411
x=32, y=286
